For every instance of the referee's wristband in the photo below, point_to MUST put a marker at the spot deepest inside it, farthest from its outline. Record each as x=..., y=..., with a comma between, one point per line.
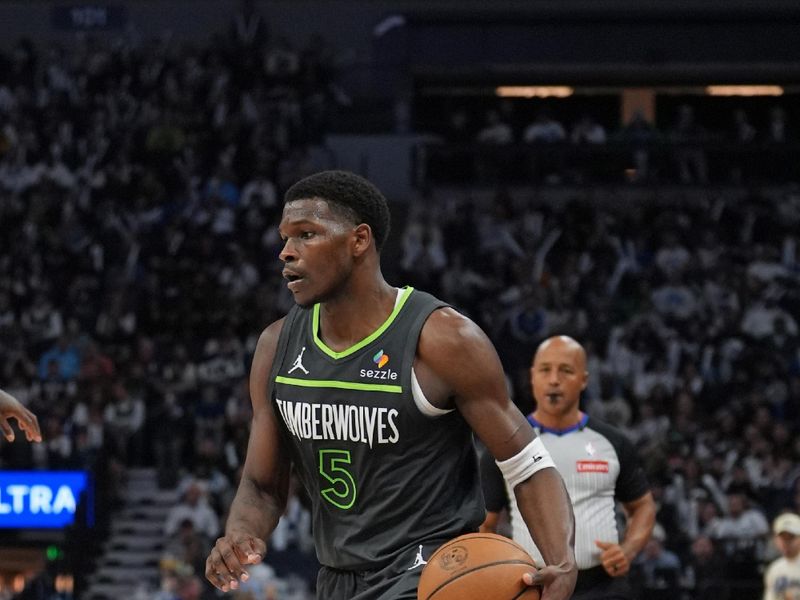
x=532, y=458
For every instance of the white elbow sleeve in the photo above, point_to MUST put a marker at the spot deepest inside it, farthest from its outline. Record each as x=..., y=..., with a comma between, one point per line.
x=533, y=457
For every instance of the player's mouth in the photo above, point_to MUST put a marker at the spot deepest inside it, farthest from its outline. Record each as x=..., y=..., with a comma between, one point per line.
x=294, y=279
x=554, y=397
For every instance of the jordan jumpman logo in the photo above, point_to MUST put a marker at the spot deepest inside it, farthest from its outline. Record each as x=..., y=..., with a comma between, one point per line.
x=298, y=362
x=418, y=561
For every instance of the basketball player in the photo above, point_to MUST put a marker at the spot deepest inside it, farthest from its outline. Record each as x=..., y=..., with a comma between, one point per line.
x=10, y=407
x=370, y=394
x=599, y=466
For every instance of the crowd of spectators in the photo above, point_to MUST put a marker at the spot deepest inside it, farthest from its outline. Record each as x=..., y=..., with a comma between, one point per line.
x=503, y=145
x=139, y=193
x=688, y=311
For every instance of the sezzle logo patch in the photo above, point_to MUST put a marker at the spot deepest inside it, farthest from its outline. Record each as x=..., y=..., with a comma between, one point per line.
x=381, y=359
x=592, y=466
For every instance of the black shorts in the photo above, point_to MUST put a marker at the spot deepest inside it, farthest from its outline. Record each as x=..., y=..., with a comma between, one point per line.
x=396, y=581
x=596, y=584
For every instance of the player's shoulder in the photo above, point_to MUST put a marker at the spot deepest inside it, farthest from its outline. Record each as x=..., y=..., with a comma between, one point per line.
x=271, y=332
x=448, y=327
x=268, y=339
x=449, y=335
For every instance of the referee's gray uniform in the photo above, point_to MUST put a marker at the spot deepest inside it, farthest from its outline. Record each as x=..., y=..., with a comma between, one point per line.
x=599, y=466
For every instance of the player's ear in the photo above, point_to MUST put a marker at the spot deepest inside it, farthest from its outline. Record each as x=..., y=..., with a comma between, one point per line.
x=362, y=239
x=585, y=380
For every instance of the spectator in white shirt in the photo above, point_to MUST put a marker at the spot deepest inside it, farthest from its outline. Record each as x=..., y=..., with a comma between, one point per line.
x=195, y=507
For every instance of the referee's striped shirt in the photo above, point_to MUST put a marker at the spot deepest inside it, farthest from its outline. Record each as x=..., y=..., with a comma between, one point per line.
x=599, y=466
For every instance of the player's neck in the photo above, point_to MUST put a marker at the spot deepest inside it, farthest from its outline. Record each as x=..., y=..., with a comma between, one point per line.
x=558, y=422
x=356, y=312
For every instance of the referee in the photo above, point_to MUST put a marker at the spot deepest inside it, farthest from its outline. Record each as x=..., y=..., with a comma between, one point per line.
x=599, y=467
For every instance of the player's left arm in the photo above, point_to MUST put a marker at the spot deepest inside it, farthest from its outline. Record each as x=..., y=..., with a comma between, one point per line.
x=461, y=367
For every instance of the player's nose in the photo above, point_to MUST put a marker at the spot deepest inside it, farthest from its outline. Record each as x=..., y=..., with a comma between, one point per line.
x=288, y=252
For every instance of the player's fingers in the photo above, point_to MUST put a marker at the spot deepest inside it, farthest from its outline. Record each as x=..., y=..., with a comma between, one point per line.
x=531, y=578
x=224, y=565
x=216, y=579
x=6, y=428
x=554, y=581
x=213, y=574
x=218, y=573
x=253, y=550
x=540, y=577
x=546, y=573
x=30, y=425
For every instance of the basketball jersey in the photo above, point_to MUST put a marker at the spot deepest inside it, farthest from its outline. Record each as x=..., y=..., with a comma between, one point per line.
x=384, y=472
x=599, y=466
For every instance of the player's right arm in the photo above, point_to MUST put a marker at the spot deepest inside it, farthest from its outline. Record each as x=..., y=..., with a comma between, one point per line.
x=264, y=487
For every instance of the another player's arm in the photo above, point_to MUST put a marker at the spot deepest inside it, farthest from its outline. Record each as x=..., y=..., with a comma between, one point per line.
x=490, y=523
x=264, y=487
x=494, y=492
x=457, y=355
x=641, y=517
x=10, y=408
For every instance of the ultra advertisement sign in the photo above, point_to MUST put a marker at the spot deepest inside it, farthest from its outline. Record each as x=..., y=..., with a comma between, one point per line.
x=42, y=499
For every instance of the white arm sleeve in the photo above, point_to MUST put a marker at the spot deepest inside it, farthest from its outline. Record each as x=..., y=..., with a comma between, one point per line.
x=533, y=457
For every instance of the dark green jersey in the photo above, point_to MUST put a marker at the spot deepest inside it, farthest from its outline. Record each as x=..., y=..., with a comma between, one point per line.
x=385, y=471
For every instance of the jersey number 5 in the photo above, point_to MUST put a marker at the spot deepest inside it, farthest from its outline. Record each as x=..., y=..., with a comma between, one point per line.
x=342, y=490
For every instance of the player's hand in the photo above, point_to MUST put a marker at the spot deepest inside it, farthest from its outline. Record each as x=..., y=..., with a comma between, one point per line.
x=225, y=565
x=10, y=408
x=557, y=581
x=613, y=558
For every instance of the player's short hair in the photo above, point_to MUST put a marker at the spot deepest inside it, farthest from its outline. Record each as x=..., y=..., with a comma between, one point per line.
x=350, y=196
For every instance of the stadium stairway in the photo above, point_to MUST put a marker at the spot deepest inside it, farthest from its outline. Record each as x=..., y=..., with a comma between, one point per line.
x=128, y=564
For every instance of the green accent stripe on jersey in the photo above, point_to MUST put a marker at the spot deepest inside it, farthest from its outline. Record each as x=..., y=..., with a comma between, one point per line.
x=405, y=294
x=342, y=385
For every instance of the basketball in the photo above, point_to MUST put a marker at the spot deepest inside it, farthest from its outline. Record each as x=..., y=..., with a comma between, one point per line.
x=477, y=566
